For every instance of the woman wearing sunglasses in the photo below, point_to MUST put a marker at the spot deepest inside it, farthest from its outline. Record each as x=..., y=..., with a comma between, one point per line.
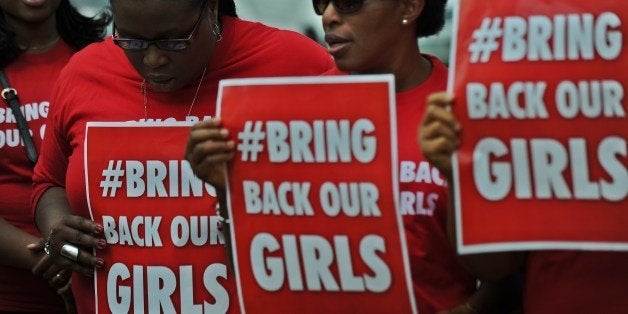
x=380, y=36
x=163, y=64
x=37, y=38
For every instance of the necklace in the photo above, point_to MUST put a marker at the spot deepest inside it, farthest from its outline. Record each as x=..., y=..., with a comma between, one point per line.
x=43, y=47
x=145, y=94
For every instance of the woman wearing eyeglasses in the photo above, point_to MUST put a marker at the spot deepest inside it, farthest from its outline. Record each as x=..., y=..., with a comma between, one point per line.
x=163, y=64
x=37, y=38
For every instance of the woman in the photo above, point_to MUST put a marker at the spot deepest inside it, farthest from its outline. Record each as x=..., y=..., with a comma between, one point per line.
x=366, y=37
x=163, y=64
x=555, y=281
x=37, y=39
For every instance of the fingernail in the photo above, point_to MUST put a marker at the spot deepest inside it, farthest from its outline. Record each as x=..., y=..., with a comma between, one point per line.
x=98, y=229
x=31, y=246
x=224, y=132
x=100, y=263
x=101, y=244
x=230, y=144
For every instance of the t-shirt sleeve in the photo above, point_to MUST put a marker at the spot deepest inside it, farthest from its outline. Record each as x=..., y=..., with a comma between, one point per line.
x=312, y=55
x=50, y=170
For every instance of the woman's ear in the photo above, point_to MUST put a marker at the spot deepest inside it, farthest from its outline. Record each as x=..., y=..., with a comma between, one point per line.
x=411, y=10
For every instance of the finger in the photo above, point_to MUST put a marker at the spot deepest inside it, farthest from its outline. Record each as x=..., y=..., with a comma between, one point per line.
x=215, y=122
x=211, y=169
x=85, y=263
x=203, y=142
x=87, y=258
x=77, y=238
x=82, y=224
x=435, y=113
x=203, y=135
x=441, y=99
x=439, y=129
x=52, y=270
x=60, y=279
x=37, y=246
x=207, y=149
x=42, y=266
x=85, y=271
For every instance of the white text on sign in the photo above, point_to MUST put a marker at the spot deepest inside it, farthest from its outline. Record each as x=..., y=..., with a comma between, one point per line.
x=544, y=38
x=317, y=255
x=160, y=283
x=144, y=231
x=590, y=99
x=351, y=199
x=328, y=141
x=544, y=178
x=153, y=178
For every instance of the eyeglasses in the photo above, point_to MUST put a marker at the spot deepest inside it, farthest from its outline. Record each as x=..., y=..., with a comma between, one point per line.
x=341, y=6
x=175, y=44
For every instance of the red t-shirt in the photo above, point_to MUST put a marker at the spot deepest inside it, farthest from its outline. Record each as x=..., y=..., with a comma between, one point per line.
x=576, y=282
x=440, y=282
x=32, y=75
x=99, y=84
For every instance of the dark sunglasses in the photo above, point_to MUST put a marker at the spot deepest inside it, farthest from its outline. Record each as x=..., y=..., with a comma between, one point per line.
x=341, y=6
x=175, y=44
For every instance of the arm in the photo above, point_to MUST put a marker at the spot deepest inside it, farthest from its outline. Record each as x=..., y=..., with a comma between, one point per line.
x=439, y=137
x=208, y=150
x=13, y=246
x=23, y=250
x=54, y=219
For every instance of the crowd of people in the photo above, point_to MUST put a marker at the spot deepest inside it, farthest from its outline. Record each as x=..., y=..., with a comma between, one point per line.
x=163, y=63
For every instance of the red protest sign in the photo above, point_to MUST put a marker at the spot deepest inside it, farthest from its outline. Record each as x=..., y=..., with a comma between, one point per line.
x=164, y=250
x=313, y=196
x=541, y=100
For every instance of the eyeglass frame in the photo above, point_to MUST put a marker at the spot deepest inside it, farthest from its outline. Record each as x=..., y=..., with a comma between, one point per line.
x=162, y=44
x=339, y=10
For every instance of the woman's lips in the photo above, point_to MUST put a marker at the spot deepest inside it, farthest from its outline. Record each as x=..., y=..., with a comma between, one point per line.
x=160, y=83
x=34, y=3
x=338, y=46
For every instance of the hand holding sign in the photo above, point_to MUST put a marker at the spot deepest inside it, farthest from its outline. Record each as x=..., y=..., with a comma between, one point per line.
x=439, y=132
x=543, y=108
x=311, y=195
x=208, y=148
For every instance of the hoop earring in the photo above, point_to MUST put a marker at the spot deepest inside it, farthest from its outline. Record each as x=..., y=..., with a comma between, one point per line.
x=217, y=32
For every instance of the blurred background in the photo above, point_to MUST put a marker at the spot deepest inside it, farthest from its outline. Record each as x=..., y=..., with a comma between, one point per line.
x=298, y=15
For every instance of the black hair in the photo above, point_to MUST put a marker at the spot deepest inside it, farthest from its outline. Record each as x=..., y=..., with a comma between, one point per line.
x=76, y=30
x=227, y=7
x=432, y=18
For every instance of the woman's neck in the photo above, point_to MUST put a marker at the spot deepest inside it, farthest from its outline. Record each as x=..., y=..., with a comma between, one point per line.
x=35, y=37
x=408, y=65
x=412, y=72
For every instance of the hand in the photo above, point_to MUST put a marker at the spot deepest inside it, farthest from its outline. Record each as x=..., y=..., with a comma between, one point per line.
x=439, y=132
x=56, y=277
x=208, y=149
x=78, y=232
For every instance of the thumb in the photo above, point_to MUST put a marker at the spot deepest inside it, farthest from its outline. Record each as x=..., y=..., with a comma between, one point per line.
x=36, y=246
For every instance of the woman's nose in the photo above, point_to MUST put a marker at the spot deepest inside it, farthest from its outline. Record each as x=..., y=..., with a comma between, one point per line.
x=154, y=57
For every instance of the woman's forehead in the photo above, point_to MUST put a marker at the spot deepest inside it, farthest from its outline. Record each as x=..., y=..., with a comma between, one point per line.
x=153, y=18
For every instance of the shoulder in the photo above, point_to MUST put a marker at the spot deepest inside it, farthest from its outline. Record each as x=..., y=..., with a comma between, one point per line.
x=283, y=46
x=98, y=59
